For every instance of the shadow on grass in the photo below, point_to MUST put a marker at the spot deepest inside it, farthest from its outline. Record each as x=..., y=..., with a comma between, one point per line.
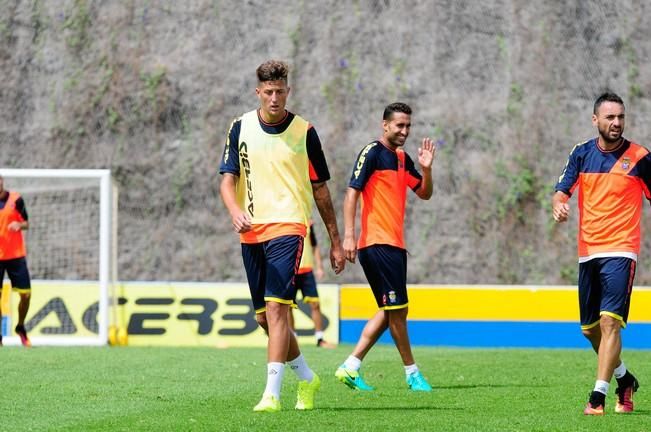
x=471, y=386
x=391, y=408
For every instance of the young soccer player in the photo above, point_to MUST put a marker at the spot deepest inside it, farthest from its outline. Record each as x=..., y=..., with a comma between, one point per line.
x=381, y=175
x=272, y=167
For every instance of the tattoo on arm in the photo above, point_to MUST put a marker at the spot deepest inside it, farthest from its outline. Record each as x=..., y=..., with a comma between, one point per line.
x=326, y=209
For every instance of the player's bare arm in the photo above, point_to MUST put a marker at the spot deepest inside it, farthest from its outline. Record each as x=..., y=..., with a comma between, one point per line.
x=560, y=207
x=16, y=226
x=350, y=209
x=326, y=210
x=241, y=221
x=426, y=158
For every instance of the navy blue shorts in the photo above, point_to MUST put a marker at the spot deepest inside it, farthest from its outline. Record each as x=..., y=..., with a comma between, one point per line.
x=306, y=284
x=605, y=286
x=270, y=269
x=18, y=274
x=385, y=268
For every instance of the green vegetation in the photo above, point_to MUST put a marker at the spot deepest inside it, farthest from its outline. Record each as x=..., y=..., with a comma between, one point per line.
x=77, y=24
x=197, y=389
x=633, y=72
x=570, y=273
x=515, y=102
x=519, y=188
x=152, y=81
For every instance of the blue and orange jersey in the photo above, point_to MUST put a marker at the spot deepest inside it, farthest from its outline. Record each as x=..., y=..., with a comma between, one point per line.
x=12, y=209
x=611, y=185
x=383, y=175
x=275, y=165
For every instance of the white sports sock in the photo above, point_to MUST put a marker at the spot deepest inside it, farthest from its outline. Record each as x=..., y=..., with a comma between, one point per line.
x=274, y=378
x=620, y=370
x=411, y=369
x=301, y=369
x=318, y=335
x=601, y=386
x=353, y=363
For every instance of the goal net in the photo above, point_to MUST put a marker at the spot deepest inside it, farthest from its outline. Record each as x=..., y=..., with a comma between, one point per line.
x=70, y=255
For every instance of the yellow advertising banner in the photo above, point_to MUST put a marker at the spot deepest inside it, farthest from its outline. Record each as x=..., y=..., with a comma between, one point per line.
x=168, y=313
x=5, y=307
x=57, y=308
x=5, y=299
x=487, y=303
x=210, y=314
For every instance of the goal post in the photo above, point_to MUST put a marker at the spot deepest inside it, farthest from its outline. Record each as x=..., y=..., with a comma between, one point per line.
x=71, y=254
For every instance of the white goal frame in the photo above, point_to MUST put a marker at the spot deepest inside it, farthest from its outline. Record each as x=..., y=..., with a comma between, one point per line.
x=107, y=251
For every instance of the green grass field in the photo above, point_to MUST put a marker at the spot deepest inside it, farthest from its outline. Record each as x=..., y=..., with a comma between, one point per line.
x=200, y=389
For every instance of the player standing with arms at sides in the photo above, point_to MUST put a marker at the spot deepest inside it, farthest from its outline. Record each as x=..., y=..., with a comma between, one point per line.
x=612, y=174
x=381, y=175
x=273, y=166
x=13, y=220
x=311, y=269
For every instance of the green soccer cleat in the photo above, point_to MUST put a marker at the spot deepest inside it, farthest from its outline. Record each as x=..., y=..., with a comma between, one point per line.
x=417, y=382
x=352, y=379
x=305, y=393
x=268, y=403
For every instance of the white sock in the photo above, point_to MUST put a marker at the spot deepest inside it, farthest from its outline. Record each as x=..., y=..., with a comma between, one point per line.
x=620, y=370
x=301, y=369
x=274, y=378
x=411, y=369
x=353, y=363
x=601, y=386
x=318, y=335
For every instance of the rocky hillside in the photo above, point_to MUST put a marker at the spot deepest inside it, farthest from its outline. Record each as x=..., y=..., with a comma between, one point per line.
x=148, y=89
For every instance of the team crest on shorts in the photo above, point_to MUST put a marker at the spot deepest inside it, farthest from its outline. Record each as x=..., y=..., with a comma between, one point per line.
x=626, y=163
x=392, y=296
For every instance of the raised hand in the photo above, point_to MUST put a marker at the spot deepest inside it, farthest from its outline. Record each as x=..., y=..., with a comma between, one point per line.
x=426, y=153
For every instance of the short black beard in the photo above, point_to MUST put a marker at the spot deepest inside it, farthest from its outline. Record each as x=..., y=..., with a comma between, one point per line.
x=605, y=138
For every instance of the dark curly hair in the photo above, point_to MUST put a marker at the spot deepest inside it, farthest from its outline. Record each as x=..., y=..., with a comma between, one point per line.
x=272, y=70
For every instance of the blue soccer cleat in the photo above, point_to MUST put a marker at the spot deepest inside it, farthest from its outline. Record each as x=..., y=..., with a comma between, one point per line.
x=417, y=382
x=352, y=379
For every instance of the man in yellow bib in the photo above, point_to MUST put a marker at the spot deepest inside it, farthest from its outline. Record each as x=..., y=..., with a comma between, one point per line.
x=273, y=166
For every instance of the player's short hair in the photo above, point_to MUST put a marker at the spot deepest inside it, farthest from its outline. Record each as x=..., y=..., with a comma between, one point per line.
x=606, y=97
x=394, y=108
x=272, y=70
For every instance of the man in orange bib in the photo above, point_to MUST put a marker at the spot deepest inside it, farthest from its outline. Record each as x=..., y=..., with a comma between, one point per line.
x=13, y=220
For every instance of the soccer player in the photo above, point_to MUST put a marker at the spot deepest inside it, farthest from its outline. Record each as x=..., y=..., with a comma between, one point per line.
x=381, y=175
x=273, y=166
x=13, y=220
x=612, y=174
x=311, y=269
